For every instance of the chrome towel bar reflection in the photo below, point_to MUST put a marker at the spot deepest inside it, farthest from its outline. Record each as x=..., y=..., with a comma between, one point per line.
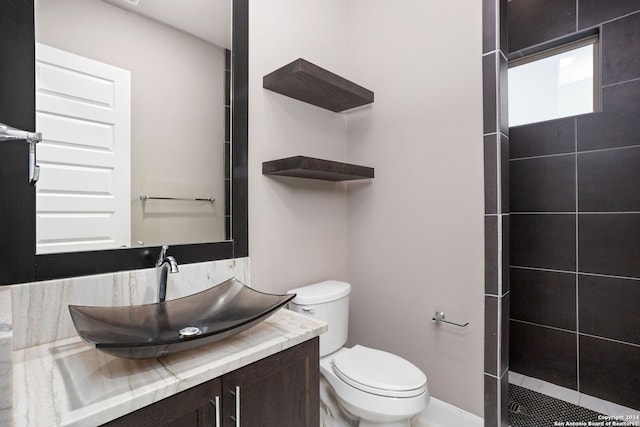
x=439, y=318
x=7, y=133
x=144, y=198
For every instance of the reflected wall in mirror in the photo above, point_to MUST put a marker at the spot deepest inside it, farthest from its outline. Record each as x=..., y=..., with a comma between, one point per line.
x=20, y=263
x=132, y=100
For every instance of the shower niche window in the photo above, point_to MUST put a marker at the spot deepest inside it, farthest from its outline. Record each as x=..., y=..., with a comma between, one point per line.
x=556, y=83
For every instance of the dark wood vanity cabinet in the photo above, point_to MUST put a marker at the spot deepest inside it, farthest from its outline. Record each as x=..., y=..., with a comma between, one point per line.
x=193, y=407
x=281, y=390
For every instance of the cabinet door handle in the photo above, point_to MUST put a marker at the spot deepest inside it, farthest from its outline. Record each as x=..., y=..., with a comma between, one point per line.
x=216, y=405
x=236, y=418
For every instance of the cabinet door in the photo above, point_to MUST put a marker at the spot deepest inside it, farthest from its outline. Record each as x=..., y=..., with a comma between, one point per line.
x=191, y=408
x=279, y=391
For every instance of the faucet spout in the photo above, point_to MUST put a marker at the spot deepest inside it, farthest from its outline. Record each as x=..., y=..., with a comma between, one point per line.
x=166, y=264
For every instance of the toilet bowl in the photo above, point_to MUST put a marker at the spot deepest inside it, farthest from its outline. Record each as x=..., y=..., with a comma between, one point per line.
x=373, y=386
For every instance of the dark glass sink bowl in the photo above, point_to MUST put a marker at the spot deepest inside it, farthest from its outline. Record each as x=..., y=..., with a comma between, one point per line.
x=154, y=330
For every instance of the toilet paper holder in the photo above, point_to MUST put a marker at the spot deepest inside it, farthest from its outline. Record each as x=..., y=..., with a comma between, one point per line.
x=439, y=318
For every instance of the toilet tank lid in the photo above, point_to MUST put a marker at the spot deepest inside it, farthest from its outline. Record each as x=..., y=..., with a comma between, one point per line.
x=318, y=293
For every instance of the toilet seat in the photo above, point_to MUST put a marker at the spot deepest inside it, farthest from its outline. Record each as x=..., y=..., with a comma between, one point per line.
x=378, y=372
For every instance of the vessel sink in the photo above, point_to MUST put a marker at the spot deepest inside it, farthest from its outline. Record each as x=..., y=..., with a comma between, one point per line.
x=154, y=330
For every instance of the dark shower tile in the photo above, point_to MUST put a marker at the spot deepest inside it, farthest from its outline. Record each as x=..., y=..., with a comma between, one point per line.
x=227, y=59
x=489, y=15
x=491, y=395
x=505, y=303
x=592, y=12
x=609, y=244
x=622, y=98
x=535, y=21
x=608, y=307
x=489, y=93
x=543, y=353
x=227, y=124
x=227, y=160
x=506, y=252
x=503, y=94
x=544, y=297
x=227, y=196
x=504, y=174
x=608, y=180
x=620, y=50
x=504, y=400
x=544, y=241
x=491, y=334
x=543, y=184
x=227, y=88
x=504, y=28
x=543, y=138
x=491, y=254
x=491, y=173
x=610, y=371
x=608, y=130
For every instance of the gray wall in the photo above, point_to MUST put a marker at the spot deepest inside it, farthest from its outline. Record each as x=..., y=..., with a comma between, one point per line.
x=409, y=241
x=575, y=214
x=416, y=231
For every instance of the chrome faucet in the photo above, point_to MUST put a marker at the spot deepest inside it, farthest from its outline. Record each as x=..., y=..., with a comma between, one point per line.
x=167, y=264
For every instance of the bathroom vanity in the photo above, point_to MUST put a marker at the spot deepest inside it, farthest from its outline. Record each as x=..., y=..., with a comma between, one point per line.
x=59, y=380
x=268, y=372
x=280, y=390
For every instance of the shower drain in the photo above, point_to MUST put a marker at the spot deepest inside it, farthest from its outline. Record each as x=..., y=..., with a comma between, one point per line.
x=515, y=408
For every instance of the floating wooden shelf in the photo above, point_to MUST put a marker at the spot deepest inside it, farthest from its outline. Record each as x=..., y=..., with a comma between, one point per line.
x=309, y=167
x=309, y=83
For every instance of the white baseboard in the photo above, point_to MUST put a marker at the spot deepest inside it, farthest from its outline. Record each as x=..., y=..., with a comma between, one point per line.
x=443, y=414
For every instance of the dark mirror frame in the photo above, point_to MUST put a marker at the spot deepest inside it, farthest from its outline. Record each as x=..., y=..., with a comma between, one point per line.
x=18, y=260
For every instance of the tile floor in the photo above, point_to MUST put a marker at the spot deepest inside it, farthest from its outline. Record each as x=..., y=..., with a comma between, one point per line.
x=630, y=416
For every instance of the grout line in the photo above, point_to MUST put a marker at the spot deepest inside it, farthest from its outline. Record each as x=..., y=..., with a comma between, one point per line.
x=620, y=83
x=544, y=213
x=583, y=273
x=544, y=326
x=491, y=375
x=555, y=328
x=571, y=212
x=610, y=339
x=597, y=150
x=550, y=270
x=544, y=156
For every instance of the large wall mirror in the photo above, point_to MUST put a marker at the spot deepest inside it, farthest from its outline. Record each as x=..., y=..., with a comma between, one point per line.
x=143, y=109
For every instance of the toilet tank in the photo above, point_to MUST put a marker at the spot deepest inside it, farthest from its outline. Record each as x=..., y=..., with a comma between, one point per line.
x=327, y=301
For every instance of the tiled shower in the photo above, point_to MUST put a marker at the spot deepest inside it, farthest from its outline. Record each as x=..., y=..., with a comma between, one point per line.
x=573, y=285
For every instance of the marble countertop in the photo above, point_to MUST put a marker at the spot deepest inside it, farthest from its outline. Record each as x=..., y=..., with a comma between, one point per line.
x=69, y=383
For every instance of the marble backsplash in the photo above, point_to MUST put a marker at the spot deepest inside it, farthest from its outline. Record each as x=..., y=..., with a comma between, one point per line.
x=6, y=367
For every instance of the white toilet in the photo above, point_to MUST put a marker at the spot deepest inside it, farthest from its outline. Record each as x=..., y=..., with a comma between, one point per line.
x=376, y=387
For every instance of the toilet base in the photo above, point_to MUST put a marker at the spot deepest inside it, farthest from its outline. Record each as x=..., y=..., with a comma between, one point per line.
x=403, y=423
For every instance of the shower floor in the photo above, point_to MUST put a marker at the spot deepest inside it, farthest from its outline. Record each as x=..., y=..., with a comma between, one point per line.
x=528, y=408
